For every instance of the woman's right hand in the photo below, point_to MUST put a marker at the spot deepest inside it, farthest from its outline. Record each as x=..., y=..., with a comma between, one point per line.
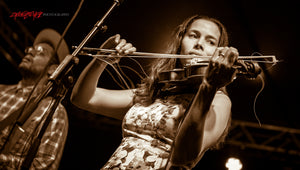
x=120, y=45
x=108, y=102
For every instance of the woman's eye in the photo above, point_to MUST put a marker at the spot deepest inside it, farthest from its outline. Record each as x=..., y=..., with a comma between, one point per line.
x=212, y=42
x=192, y=35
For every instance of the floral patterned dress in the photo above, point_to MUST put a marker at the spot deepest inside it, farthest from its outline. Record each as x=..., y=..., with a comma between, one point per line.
x=148, y=134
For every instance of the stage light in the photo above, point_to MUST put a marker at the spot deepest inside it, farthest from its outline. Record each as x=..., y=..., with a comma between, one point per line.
x=233, y=164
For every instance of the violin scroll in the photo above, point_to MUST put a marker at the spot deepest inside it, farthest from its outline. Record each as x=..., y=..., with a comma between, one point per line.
x=247, y=69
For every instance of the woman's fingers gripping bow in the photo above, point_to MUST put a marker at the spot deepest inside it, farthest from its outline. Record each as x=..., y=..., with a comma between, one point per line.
x=121, y=46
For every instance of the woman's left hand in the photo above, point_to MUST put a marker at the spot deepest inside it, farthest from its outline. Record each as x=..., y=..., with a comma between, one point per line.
x=221, y=70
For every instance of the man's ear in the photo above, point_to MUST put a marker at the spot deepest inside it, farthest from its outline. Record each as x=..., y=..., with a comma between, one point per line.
x=51, y=69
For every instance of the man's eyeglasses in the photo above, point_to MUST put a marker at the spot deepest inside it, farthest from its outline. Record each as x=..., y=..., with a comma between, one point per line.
x=36, y=51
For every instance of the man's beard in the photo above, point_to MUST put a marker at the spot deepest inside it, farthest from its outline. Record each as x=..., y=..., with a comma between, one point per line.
x=28, y=73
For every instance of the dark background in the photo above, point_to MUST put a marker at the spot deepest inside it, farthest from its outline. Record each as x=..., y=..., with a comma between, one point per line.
x=256, y=26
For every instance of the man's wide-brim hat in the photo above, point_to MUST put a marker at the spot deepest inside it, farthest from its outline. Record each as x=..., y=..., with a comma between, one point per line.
x=52, y=37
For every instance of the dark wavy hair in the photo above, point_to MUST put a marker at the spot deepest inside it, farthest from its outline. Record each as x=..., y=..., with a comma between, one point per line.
x=147, y=91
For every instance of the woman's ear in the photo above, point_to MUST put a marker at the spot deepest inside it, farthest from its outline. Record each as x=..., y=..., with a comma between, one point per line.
x=51, y=69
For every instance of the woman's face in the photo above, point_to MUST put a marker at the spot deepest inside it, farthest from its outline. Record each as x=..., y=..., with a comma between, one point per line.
x=201, y=38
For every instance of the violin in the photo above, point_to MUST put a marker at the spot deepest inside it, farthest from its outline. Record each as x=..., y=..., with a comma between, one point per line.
x=181, y=80
x=188, y=78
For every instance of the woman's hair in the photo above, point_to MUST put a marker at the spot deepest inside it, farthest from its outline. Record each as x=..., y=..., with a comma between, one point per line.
x=148, y=90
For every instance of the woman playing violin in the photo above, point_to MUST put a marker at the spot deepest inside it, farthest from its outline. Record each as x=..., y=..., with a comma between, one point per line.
x=166, y=131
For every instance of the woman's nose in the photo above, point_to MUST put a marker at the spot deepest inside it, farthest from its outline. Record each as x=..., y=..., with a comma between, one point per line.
x=199, y=44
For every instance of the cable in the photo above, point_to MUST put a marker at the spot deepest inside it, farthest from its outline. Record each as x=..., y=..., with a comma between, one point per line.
x=255, y=99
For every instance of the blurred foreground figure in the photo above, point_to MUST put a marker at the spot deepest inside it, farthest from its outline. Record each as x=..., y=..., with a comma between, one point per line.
x=39, y=62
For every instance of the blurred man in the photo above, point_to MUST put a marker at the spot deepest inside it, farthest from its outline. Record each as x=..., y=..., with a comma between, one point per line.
x=39, y=62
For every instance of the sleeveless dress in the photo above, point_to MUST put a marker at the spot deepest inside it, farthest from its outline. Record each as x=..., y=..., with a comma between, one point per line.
x=148, y=134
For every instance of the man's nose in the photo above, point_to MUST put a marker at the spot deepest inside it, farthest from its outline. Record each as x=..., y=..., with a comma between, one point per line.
x=29, y=50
